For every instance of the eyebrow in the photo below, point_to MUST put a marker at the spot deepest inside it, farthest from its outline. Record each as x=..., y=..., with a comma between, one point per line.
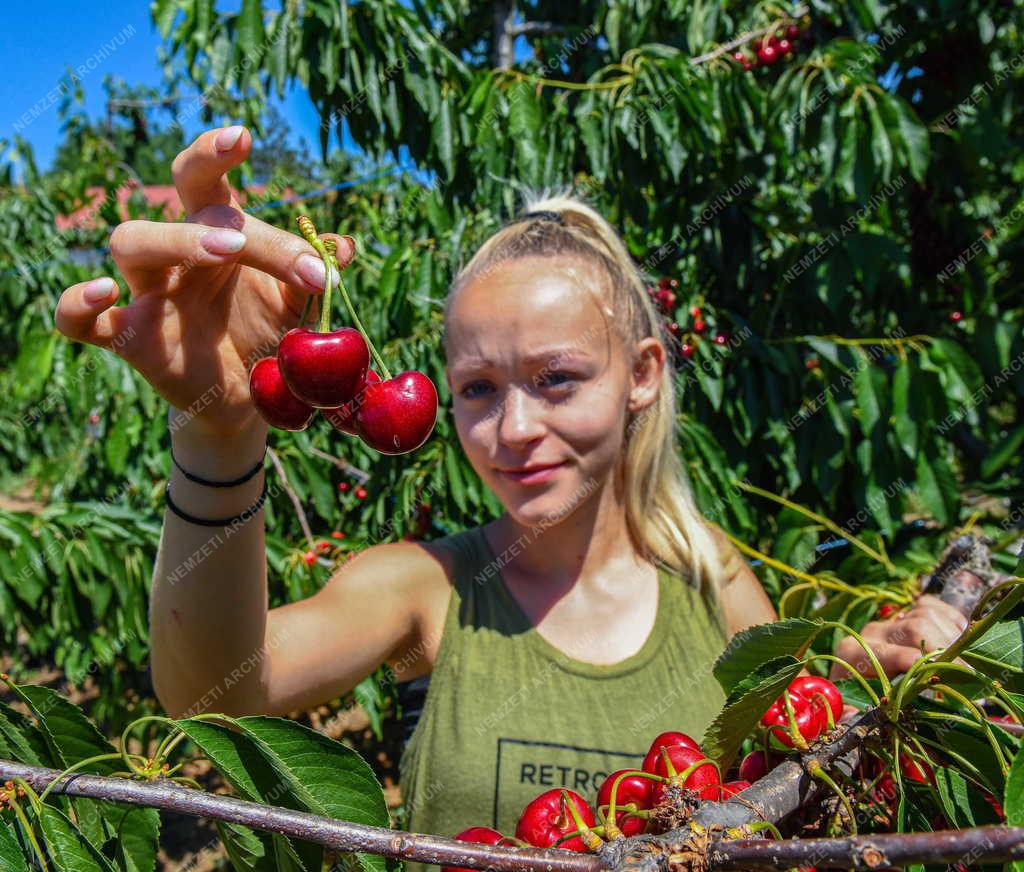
x=545, y=355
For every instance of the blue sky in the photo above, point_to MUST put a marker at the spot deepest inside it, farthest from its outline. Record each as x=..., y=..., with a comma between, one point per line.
x=39, y=42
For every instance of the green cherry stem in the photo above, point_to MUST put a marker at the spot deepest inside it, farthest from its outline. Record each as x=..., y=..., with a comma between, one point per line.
x=882, y=677
x=112, y=756
x=983, y=722
x=587, y=835
x=29, y=834
x=861, y=680
x=359, y=324
x=794, y=733
x=815, y=770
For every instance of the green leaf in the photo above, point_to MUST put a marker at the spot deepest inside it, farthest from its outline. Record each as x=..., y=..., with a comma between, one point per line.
x=745, y=706
x=525, y=119
x=964, y=805
x=999, y=653
x=1003, y=453
x=455, y=482
x=239, y=759
x=250, y=30
x=328, y=778
x=1013, y=795
x=881, y=147
x=69, y=849
x=755, y=646
x=163, y=13
x=848, y=154
x=867, y=397
x=11, y=858
x=249, y=850
x=443, y=135
x=936, y=485
x=915, y=136
x=904, y=424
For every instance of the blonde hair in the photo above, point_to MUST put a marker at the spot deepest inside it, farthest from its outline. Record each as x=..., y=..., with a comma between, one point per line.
x=662, y=517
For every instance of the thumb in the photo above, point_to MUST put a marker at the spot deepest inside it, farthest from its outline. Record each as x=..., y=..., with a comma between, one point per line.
x=84, y=314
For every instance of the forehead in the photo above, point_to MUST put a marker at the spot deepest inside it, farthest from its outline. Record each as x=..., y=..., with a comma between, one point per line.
x=528, y=305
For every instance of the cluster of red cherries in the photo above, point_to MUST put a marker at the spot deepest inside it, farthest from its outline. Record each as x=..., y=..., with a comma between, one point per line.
x=330, y=370
x=686, y=341
x=781, y=45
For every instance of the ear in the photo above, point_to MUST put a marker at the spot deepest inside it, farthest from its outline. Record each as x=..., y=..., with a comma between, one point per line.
x=648, y=365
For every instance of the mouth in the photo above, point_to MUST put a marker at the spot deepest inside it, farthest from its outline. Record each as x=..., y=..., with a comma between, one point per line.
x=532, y=474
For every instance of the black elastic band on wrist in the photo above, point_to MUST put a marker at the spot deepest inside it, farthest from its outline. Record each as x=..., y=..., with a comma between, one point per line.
x=241, y=480
x=216, y=522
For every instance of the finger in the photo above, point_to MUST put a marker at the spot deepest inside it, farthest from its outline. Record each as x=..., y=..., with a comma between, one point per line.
x=84, y=314
x=893, y=658
x=199, y=171
x=144, y=250
x=284, y=255
x=913, y=631
x=935, y=605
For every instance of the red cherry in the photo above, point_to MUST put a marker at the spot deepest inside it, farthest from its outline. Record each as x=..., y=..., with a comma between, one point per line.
x=673, y=328
x=277, y=405
x=757, y=764
x=699, y=326
x=813, y=688
x=812, y=363
x=792, y=32
x=747, y=66
x=361, y=493
x=337, y=534
x=739, y=57
x=886, y=610
x=673, y=283
x=482, y=835
x=666, y=299
x=731, y=788
x=687, y=350
x=810, y=720
x=94, y=418
x=766, y=54
x=956, y=316
x=996, y=805
x=323, y=546
x=722, y=339
x=309, y=558
x=694, y=311
x=397, y=415
x=342, y=418
x=704, y=779
x=670, y=739
x=323, y=370
x=663, y=282
x=916, y=770
x=546, y=819
x=784, y=47
x=343, y=486
x=632, y=789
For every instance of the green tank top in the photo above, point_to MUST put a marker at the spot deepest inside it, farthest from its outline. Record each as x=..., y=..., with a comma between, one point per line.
x=507, y=715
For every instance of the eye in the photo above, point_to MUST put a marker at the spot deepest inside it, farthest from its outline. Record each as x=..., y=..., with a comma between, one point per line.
x=467, y=392
x=551, y=379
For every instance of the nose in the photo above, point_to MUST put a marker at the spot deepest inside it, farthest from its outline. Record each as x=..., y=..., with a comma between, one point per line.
x=521, y=418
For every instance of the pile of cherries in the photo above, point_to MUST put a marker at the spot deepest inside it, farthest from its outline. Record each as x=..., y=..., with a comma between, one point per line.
x=626, y=800
x=330, y=370
x=781, y=45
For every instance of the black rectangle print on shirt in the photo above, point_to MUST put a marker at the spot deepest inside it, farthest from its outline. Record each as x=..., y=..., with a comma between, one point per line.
x=524, y=769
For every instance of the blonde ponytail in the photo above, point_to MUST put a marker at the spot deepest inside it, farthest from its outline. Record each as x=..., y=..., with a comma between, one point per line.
x=662, y=517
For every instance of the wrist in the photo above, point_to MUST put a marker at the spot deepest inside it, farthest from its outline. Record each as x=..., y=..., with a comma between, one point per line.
x=218, y=456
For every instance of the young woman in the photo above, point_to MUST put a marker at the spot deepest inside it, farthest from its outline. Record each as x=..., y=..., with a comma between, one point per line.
x=562, y=636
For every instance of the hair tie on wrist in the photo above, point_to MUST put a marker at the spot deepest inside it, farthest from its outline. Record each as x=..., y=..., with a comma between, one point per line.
x=241, y=517
x=205, y=481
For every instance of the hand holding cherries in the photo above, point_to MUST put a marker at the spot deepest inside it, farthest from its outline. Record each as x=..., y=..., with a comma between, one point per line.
x=330, y=370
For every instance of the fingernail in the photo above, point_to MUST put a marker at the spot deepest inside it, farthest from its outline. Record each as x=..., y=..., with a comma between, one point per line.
x=352, y=245
x=222, y=241
x=311, y=270
x=227, y=138
x=98, y=289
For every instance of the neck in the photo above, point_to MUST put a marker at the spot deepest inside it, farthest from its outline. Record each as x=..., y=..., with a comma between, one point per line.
x=559, y=553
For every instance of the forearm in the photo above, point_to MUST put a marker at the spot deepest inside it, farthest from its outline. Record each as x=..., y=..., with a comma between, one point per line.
x=208, y=606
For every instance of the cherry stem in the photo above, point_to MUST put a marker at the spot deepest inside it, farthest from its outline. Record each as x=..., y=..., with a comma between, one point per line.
x=983, y=722
x=815, y=771
x=99, y=757
x=29, y=833
x=832, y=658
x=359, y=324
x=794, y=733
x=879, y=671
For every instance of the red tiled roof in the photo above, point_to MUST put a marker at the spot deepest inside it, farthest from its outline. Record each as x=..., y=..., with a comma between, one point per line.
x=156, y=195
